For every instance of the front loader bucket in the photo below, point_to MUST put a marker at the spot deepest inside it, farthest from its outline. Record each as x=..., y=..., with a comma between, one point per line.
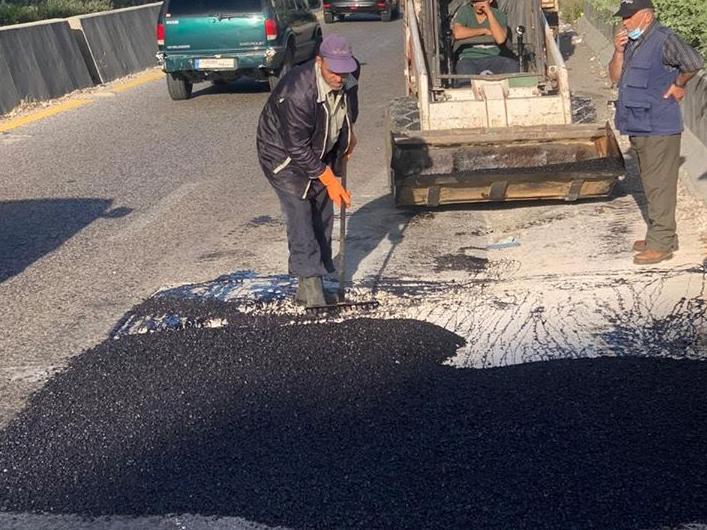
x=566, y=162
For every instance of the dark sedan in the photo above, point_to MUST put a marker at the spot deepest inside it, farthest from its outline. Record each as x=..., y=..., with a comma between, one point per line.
x=338, y=9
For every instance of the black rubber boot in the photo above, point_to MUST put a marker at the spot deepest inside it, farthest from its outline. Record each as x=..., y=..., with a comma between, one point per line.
x=299, y=295
x=310, y=291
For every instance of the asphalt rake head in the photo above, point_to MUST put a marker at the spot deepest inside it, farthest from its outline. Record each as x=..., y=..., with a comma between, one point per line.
x=342, y=308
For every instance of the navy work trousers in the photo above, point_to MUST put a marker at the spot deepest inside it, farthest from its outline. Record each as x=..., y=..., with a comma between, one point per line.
x=309, y=225
x=497, y=64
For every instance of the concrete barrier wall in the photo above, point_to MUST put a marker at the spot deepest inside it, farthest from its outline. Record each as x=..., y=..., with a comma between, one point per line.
x=119, y=42
x=9, y=97
x=695, y=106
x=603, y=47
x=38, y=61
x=599, y=21
x=48, y=59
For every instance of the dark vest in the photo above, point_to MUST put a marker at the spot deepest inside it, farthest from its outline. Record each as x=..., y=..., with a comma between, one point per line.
x=641, y=109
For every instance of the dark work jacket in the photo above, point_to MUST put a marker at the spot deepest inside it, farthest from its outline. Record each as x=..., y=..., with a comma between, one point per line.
x=293, y=128
x=641, y=109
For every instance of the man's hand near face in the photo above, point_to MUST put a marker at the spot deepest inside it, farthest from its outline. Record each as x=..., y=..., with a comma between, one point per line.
x=621, y=40
x=617, y=60
x=484, y=7
x=495, y=29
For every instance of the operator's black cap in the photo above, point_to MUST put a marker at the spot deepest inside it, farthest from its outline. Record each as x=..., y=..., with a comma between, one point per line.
x=630, y=7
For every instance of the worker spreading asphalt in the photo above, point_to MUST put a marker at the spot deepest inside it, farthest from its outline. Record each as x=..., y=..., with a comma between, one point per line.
x=358, y=424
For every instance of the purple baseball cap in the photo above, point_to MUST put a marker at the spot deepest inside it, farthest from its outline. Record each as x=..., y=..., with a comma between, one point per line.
x=338, y=54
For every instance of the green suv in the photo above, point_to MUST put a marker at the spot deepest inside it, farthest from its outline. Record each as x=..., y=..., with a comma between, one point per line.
x=220, y=40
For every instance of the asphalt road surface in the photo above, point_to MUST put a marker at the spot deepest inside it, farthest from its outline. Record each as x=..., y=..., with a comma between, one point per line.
x=434, y=411
x=105, y=205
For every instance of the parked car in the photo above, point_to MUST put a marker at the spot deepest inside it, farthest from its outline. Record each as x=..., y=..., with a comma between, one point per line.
x=221, y=40
x=338, y=9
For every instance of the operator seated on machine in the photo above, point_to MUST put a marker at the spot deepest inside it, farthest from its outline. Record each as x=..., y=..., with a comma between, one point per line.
x=484, y=30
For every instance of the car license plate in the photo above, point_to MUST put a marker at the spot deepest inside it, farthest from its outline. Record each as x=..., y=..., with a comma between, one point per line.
x=216, y=64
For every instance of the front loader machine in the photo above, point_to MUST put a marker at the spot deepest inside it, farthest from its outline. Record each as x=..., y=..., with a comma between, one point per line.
x=462, y=139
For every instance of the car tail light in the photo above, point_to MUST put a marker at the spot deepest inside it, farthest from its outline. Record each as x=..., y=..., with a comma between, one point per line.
x=381, y=5
x=326, y=6
x=160, y=34
x=270, y=29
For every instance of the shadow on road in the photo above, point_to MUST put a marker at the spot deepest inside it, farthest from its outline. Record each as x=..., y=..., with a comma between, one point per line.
x=368, y=226
x=359, y=424
x=239, y=86
x=359, y=17
x=34, y=228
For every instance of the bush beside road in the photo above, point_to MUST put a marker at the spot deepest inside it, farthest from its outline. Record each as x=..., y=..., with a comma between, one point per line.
x=21, y=11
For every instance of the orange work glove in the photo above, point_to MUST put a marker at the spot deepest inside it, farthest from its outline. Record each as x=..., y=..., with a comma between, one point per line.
x=334, y=189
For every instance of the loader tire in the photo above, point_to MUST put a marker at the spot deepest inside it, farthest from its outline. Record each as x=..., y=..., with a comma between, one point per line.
x=402, y=116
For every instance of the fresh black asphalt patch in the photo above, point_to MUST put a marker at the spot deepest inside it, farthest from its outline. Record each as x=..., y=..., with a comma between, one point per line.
x=359, y=424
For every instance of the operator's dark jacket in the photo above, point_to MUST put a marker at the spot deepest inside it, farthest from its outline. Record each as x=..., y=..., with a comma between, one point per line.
x=292, y=131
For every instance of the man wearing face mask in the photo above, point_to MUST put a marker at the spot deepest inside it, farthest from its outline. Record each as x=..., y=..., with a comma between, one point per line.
x=652, y=66
x=304, y=134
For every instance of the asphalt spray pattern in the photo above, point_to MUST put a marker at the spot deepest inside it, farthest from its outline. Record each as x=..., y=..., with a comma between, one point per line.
x=649, y=313
x=356, y=424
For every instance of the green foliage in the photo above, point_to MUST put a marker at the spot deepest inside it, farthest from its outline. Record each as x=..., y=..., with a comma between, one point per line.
x=14, y=14
x=19, y=11
x=688, y=18
x=571, y=10
x=129, y=3
x=71, y=8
